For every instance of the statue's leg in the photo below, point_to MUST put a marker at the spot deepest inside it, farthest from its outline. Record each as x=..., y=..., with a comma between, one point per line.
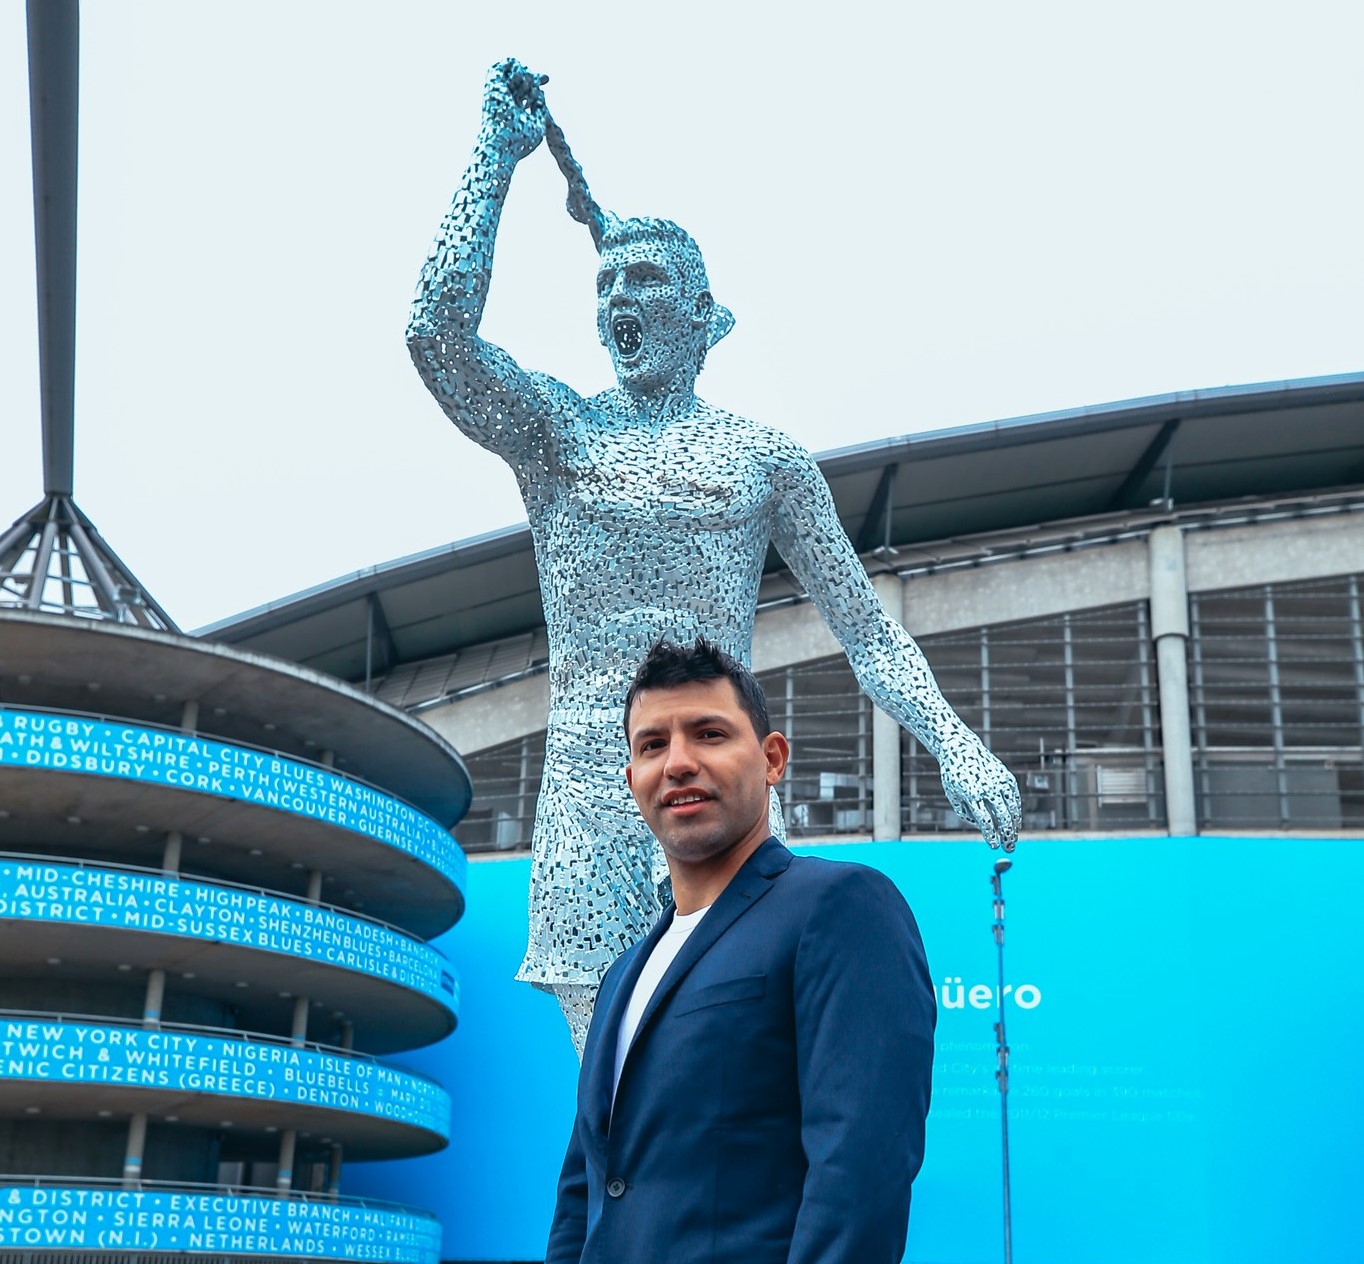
x=576, y=1001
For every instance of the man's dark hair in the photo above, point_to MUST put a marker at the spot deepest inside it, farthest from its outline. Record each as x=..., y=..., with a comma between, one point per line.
x=668, y=665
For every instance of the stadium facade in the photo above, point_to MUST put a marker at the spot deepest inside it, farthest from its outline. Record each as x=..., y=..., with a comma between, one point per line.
x=1152, y=611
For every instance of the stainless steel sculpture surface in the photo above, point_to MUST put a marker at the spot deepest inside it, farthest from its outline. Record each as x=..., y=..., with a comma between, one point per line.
x=651, y=512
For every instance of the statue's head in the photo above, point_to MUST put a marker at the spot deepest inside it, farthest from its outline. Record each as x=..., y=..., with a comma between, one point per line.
x=655, y=313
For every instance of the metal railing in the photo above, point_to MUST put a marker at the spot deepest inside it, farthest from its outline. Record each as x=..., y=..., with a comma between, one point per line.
x=227, y=1033
x=1297, y=788
x=170, y=875
x=204, y=736
x=204, y=1188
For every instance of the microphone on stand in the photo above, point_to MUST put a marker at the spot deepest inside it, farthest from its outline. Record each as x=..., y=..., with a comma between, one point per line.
x=1002, y=866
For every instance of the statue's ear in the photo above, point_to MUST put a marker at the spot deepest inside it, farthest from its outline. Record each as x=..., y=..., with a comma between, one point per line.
x=720, y=323
x=707, y=314
x=701, y=310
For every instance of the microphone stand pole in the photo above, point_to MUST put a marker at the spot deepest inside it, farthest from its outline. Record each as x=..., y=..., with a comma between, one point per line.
x=1002, y=1047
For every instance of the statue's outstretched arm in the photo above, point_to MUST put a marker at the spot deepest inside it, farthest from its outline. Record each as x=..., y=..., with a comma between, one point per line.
x=480, y=387
x=888, y=664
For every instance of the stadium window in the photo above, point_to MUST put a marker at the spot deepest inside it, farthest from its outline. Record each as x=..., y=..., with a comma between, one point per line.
x=506, y=781
x=827, y=718
x=1070, y=703
x=1277, y=695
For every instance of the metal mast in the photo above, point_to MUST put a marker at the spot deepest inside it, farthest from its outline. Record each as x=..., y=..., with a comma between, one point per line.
x=52, y=559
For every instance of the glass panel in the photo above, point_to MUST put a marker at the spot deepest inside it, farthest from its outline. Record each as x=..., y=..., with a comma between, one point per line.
x=506, y=782
x=826, y=717
x=1278, y=706
x=1073, y=711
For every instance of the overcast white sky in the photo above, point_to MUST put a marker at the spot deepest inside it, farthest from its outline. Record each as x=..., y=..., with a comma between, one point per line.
x=921, y=216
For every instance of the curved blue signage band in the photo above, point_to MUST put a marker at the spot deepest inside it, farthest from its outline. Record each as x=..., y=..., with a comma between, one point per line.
x=37, y=890
x=186, y=761
x=73, y=1218
x=188, y=1062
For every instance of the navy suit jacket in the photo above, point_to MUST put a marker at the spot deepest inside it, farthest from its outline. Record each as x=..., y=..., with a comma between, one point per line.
x=771, y=1106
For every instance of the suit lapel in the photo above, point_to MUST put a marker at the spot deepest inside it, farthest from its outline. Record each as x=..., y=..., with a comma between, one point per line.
x=601, y=1059
x=745, y=889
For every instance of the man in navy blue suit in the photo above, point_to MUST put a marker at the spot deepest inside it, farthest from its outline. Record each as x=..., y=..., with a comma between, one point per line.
x=757, y=1072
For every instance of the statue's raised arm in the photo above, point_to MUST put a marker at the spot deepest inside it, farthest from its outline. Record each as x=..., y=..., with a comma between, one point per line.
x=888, y=664
x=479, y=386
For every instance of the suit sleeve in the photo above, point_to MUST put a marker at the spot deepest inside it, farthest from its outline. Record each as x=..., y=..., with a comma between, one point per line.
x=865, y=1012
x=568, y=1231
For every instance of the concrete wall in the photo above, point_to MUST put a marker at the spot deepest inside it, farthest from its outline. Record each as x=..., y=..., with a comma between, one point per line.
x=1275, y=553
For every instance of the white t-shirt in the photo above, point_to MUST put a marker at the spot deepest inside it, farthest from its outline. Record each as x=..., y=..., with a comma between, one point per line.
x=655, y=968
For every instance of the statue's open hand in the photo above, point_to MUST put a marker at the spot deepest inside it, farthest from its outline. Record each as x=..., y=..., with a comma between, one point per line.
x=981, y=790
x=514, y=107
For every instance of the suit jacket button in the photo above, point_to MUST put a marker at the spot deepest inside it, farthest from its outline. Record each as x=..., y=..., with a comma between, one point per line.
x=615, y=1187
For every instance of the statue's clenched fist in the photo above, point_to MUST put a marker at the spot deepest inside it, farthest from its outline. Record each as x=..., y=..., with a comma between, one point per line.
x=514, y=108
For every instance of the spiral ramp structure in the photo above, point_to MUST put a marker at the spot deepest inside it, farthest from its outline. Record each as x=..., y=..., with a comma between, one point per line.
x=218, y=876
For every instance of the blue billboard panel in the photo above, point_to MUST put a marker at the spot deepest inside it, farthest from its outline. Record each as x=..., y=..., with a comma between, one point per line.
x=186, y=1061
x=1181, y=1022
x=186, y=761
x=88, y=895
x=73, y=1218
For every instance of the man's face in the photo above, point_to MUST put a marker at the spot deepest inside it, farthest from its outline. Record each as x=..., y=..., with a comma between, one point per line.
x=652, y=327
x=699, y=772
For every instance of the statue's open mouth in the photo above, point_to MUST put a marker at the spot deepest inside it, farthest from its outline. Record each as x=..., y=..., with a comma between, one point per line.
x=628, y=333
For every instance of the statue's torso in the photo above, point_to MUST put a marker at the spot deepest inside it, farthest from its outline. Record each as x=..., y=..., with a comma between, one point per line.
x=644, y=530
x=641, y=530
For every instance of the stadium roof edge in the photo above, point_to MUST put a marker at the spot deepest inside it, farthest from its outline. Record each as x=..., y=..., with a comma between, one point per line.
x=1115, y=414
x=487, y=546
